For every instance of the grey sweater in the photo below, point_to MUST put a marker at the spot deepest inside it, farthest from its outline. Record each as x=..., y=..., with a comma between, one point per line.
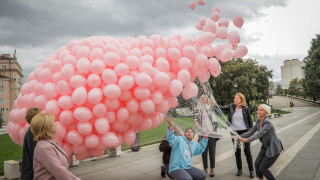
x=267, y=136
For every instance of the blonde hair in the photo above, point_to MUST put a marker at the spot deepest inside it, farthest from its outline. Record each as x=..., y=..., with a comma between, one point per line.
x=31, y=113
x=266, y=108
x=42, y=126
x=243, y=99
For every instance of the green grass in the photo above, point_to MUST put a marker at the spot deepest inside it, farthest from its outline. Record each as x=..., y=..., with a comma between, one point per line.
x=8, y=150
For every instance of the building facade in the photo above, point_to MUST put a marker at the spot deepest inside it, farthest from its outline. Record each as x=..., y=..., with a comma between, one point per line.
x=290, y=70
x=10, y=83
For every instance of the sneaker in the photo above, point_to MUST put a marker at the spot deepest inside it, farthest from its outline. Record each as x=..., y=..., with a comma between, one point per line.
x=163, y=173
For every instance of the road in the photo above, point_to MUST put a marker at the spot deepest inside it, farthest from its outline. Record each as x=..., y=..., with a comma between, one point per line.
x=298, y=131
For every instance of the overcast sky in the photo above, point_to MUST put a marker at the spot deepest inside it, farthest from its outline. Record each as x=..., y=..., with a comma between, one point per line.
x=274, y=30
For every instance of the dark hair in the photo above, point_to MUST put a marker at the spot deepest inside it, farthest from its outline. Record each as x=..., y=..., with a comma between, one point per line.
x=31, y=113
x=190, y=129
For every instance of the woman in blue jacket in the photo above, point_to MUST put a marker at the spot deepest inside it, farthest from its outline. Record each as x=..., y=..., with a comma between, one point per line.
x=183, y=149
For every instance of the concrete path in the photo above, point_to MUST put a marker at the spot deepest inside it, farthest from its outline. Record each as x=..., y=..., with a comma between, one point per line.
x=298, y=131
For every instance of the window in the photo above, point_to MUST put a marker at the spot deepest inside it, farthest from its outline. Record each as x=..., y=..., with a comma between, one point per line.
x=1, y=83
x=4, y=66
x=13, y=75
x=3, y=109
x=2, y=101
x=1, y=92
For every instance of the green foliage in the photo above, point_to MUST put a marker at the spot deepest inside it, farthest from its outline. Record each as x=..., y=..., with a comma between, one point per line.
x=244, y=76
x=278, y=90
x=295, y=87
x=1, y=118
x=311, y=83
x=9, y=150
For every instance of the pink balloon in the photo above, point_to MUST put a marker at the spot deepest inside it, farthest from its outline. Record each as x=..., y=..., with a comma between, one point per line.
x=215, y=16
x=163, y=107
x=210, y=26
x=111, y=116
x=102, y=125
x=192, y=5
x=99, y=110
x=112, y=104
x=121, y=69
x=174, y=54
x=122, y=114
x=141, y=93
x=50, y=90
x=160, y=52
x=146, y=124
x=148, y=59
x=190, y=90
x=147, y=106
x=61, y=130
x=125, y=96
x=156, y=97
x=69, y=59
x=161, y=79
x=126, y=82
x=162, y=65
x=112, y=91
x=83, y=51
x=189, y=52
x=206, y=38
x=45, y=75
x=96, y=53
x=74, y=138
x=83, y=66
x=202, y=21
x=133, y=62
x=82, y=114
x=240, y=51
x=111, y=59
x=94, y=80
x=226, y=54
x=63, y=87
x=175, y=87
x=238, y=21
x=129, y=137
x=95, y=96
x=201, y=2
x=132, y=105
x=110, y=140
x=77, y=81
x=66, y=117
x=199, y=27
x=52, y=107
x=91, y=141
x=214, y=67
x=65, y=102
x=143, y=80
x=223, y=22
x=184, y=63
x=173, y=101
x=84, y=128
x=40, y=101
x=97, y=66
x=67, y=71
x=67, y=148
x=234, y=37
x=222, y=32
x=109, y=76
x=79, y=95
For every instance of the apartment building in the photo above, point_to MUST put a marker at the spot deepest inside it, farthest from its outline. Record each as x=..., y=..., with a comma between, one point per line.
x=290, y=70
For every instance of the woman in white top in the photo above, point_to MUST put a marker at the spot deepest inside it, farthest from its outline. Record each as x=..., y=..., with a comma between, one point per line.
x=240, y=120
x=206, y=121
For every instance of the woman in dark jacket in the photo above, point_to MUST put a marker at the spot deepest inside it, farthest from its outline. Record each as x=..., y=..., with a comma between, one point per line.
x=271, y=145
x=165, y=147
x=240, y=120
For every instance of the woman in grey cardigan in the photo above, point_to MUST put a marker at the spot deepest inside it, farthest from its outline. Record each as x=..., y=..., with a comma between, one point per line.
x=271, y=145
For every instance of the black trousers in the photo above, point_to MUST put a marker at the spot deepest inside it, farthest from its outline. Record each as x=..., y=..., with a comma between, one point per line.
x=263, y=163
x=247, y=152
x=212, y=153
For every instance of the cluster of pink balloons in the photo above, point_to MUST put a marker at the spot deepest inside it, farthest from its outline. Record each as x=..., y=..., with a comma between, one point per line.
x=103, y=90
x=192, y=4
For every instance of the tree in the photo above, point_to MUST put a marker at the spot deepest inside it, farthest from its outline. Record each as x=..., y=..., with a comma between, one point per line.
x=295, y=87
x=278, y=90
x=245, y=76
x=1, y=118
x=311, y=83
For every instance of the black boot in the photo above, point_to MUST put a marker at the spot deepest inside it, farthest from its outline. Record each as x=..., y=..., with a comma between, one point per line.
x=163, y=173
x=251, y=174
x=239, y=173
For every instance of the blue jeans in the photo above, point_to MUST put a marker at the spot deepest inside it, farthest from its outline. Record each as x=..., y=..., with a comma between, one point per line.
x=188, y=174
